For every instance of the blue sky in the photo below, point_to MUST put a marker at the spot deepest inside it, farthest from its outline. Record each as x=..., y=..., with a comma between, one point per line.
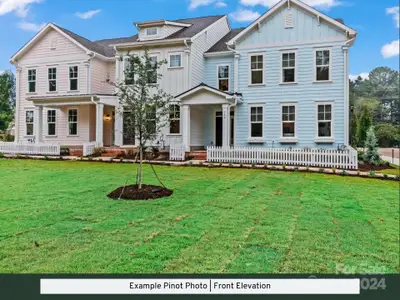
x=377, y=21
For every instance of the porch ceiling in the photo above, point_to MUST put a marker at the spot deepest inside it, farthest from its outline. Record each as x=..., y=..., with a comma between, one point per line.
x=62, y=100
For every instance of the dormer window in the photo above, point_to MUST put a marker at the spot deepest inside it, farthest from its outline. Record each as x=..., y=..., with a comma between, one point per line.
x=151, y=31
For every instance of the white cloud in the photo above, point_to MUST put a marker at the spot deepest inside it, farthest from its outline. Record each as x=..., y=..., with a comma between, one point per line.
x=364, y=75
x=245, y=15
x=390, y=50
x=27, y=26
x=196, y=3
x=221, y=4
x=20, y=7
x=87, y=15
x=269, y=3
x=395, y=11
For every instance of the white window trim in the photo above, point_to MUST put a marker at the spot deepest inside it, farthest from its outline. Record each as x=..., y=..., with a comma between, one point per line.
x=48, y=80
x=32, y=69
x=291, y=139
x=47, y=123
x=218, y=79
x=315, y=65
x=330, y=139
x=33, y=123
x=180, y=121
x=77, y=122
x=263, y=69
x=157, y=55
x=124, y=64
x=69, y=79
x=169, y=60
x=296, y=57
x=256, y=139
x=146, y=31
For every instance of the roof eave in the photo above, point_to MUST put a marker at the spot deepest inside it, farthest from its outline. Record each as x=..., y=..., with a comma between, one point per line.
x=150, y=43
x=219, y=53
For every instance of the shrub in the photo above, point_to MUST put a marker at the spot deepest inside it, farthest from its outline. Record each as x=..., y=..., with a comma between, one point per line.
x=230, y=165
x=266, y=166
x=64, y=151
x=398, y=177
x=321, y=170
x=1, y=155
x=97, y=152
x=372, y=173
x=334, y=170
x=90, y=157
x=358, y=173
x=200, y=163
x=190, y=163
x=46, y=157
x=344, y=173
x=360, y=155
x=284, y=166
x=220, y=164
x=241, y=165
x=386, y=176
x=253, y=165
x=387, y=134
x=296, y=169
x=371, y=155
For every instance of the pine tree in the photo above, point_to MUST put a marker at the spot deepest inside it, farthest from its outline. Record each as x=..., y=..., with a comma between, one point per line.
x=364, y=125
x=371, y=144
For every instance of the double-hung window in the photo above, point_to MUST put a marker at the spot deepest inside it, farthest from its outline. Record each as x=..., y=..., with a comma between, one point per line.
x=29, y=118
x=323, y=65
x=324, y=121
x=151, y=122
x=256, y=122
x=174, y=119
x=52, y=76
x=51, y=122
x=73, y=121
x=151, y=31
x=288, y=67
x=288, y=120
x=223, y=78
x=256, y=69
x=128, y=71
x=152, y=75
x=73, y=78
x=175, y=60
x=32, y=81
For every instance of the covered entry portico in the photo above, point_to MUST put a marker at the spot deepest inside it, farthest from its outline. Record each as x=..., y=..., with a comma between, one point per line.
x=207, y=116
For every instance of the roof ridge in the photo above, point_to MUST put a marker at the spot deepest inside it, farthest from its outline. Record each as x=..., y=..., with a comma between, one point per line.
x=202, y=17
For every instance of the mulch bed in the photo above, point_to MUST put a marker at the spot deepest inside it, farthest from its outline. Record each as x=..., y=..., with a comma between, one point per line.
x=368, y=167
x=147, y=192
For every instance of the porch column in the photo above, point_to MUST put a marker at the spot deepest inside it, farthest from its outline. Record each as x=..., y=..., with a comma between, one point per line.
x=118, y=126
x=225, y=125
x=185, y=111
x=99, y=124
x=38, y=124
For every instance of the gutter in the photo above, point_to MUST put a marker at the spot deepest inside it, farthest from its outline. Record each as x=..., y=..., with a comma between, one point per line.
x=152, y=42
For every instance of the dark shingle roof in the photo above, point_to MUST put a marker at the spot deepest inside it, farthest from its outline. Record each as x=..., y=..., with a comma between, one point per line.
x=220, y=46
x=104, y=48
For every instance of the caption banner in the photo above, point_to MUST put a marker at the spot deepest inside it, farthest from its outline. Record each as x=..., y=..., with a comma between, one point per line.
x=200, y=286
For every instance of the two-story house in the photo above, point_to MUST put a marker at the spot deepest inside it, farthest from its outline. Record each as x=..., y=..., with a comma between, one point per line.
x=280, y=82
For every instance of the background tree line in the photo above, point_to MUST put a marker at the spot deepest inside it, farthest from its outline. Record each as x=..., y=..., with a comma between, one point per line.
x=7, y=99
x=375, y=102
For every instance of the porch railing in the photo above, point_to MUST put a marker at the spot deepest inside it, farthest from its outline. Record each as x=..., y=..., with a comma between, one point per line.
x=29, y=148
x=177, y=152
x=89, y=148
x=343, y=159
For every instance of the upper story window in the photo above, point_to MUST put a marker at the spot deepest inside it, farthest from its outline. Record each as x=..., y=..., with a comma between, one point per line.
x=151, y=31
x=151, y=123
x=52, y=75
x=288, y=120
x=323, y=65
x=73, y=121
x=128, y=72
x=223, y=78
x=152, y=76
x=51, y=122
x=256, y=121
x=175, y=60
x=32, y=81
x=174, y=119
x=288, y=67
x=256, y=69
x=29, y=122
x=324, y=121
x=73, y=78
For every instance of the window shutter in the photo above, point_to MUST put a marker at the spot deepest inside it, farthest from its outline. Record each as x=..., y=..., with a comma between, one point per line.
x=289, y=20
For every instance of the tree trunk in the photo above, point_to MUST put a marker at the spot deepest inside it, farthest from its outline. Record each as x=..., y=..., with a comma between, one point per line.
x=140, y=167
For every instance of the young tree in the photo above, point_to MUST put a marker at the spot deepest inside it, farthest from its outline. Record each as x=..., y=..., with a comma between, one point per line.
x=364, y=124
x=144, y=106
x=354, y=130
x=371, y=155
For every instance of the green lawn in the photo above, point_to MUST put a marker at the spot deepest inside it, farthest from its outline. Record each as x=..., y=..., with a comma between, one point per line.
x=395, y=171
x=217, y=221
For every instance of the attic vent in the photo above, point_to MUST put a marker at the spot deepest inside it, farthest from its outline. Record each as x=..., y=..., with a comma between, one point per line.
x=53, y=43
x=289, y=20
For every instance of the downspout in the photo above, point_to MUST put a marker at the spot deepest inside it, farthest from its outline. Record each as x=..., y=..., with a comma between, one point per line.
x=89, y=72
x=188, y=61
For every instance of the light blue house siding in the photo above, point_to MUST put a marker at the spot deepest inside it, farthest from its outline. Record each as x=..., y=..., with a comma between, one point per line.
x=210, y=73
x=271, y=39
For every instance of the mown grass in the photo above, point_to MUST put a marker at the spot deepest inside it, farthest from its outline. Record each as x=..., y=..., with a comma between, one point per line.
x=395, y=171
x=217, y=221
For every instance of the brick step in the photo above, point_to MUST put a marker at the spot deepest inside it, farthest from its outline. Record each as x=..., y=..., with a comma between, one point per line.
x=199, y=155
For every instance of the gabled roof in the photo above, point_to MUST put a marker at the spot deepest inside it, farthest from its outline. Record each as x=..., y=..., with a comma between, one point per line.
x=311, y=10
x=221, y=46
x=203, y=86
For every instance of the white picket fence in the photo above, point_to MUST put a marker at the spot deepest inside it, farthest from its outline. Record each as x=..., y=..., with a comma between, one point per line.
x=88, y=148
x=177, y=152
x=29, y=148
x=342, y=159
